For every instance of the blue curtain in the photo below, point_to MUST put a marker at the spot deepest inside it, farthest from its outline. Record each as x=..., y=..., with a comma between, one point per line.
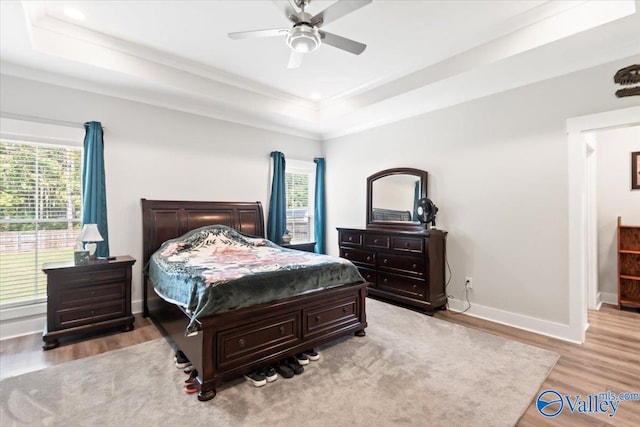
x=94, y=194
x=319, y=214
x=277, y=217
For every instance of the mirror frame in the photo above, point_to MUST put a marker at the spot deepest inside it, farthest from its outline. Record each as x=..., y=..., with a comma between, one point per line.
x=395, y=225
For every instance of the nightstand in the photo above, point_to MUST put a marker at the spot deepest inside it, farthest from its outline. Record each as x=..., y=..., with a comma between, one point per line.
x=306, y=246
x=87, y=298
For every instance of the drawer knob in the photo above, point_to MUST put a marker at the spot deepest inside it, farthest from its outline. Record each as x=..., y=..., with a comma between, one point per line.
x=415, y=286
x=368, y=276
x=351, y=238
x=317, y=319
x=414, y=266
x=241, y=342
x=385, y=261
x=93, y=312
x=375, y=240
x=92, y=276
x=368, y=258
x=346, y=254
x=281, y=330
x=344, y=309
x=385, y=280
x=407, y=244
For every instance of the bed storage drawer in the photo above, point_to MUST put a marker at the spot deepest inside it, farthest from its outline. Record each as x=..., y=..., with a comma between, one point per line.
x=258, y=339
x=332, y=316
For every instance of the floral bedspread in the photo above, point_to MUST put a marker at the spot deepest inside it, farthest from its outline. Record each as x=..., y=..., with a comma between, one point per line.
x=215, y=268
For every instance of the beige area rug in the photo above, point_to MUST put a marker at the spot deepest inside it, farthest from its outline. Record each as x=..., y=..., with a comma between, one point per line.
x=410, y=369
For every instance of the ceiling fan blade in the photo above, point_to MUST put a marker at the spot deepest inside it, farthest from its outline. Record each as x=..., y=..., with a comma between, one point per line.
x=337, y=10
x=289, y=11
x=342, y=43
x=295, y=60
x=258, y=33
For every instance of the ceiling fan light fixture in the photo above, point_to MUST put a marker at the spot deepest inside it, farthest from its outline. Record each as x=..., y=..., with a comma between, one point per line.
x=303, y=38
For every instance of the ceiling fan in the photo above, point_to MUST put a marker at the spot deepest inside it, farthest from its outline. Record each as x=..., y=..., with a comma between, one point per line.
x=306, y=36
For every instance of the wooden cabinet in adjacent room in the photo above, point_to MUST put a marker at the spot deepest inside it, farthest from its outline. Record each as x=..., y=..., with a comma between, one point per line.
x=403, y=267
x=628, y=265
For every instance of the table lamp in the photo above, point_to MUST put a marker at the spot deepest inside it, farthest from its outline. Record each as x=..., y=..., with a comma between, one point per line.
x=90, y=235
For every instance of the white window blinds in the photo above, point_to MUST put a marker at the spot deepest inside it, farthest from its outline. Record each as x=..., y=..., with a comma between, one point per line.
x=40, y=203
x=300, y=189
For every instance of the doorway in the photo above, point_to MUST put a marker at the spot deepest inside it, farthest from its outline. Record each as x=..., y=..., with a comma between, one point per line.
x=582, y=211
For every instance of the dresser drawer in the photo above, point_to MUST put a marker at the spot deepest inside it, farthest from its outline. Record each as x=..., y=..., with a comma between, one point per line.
x=376, y=241
x=369, y=275
x=403, y=263
x=413, y=288
x=359, y=256
x=75, y=296
x=409, y=244
x=70, y=318
x=258, y=339
x=92, y=277
x=331, y=316
x=350, y=238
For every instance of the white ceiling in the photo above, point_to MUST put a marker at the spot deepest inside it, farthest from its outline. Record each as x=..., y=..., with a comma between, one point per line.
x=420, y=56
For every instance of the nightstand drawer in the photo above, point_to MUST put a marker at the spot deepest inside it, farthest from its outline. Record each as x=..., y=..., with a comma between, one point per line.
x=97, y=275
x=81, y=295
x=89, y=314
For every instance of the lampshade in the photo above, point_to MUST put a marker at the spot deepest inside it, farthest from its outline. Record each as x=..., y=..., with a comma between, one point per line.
x=90, y=233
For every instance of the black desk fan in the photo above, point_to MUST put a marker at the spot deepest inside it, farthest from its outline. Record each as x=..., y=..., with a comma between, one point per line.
x=426, y=211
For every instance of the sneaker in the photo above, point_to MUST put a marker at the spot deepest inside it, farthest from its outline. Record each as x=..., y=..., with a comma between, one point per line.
x=312, y=354
x=283, y=369
x=193, y=378
x=302, y=359
x=270, y=374
x=257, y=378
x=181, y=360
x=292, y=362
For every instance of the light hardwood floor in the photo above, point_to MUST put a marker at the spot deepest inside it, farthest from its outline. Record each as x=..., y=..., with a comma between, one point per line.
x=608, y=360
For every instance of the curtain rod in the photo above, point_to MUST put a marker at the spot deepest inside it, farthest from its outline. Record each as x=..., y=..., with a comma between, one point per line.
x=27, y=118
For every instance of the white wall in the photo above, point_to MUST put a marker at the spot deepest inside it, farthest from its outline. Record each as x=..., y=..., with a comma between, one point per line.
x=156, y=153
x=498, y=171
x=614, y=198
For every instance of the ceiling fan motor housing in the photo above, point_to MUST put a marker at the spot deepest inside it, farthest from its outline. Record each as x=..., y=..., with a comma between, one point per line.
x=303, y=37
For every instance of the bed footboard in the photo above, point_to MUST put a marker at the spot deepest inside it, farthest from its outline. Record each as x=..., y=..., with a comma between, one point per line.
x=233, y=343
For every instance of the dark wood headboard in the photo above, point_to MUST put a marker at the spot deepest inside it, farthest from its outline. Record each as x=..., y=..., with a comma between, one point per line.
x=166, y=219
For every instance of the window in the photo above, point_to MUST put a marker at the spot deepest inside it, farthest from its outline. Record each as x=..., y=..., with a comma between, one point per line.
x=40, y=204
x=300, y=179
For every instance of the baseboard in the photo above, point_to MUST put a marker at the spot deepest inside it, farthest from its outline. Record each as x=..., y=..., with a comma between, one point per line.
x=539, y=326
x=609, y=298
x=20, y=321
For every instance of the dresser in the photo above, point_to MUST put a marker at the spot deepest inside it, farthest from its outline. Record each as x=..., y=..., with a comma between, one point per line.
x=400, y=266
x=86, y=298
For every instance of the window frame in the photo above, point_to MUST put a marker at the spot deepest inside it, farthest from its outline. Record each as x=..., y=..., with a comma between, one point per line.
x=308, y=168
x=51, y=136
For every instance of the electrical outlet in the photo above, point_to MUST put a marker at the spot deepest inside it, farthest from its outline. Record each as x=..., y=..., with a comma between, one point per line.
x=468, y=283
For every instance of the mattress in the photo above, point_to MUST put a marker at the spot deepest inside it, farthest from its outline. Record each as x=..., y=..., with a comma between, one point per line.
x=214, y=269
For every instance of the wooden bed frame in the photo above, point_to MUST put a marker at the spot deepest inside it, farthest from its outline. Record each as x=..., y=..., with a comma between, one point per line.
x=233, y=343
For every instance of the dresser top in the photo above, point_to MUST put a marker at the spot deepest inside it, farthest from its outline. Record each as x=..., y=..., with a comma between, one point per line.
x=425, y=233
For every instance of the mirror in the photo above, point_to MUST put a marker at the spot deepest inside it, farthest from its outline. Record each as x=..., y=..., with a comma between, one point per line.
x=391, y=198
